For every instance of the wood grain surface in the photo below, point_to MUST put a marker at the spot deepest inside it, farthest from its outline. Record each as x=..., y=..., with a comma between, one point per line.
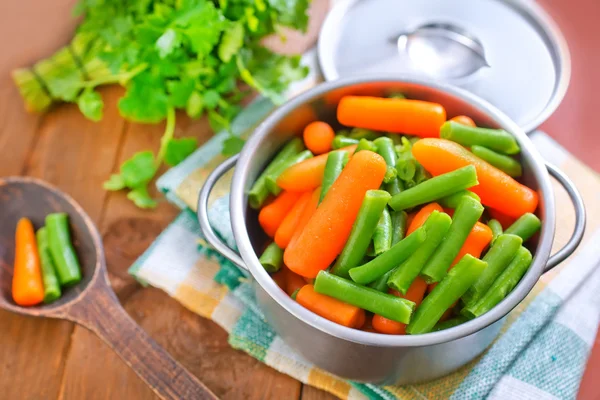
x=44, y=359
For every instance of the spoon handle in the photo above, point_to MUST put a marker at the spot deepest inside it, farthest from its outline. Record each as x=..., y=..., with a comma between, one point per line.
x=101, y=313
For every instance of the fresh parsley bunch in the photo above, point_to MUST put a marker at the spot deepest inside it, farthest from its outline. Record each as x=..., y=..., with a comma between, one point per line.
x=192, y=55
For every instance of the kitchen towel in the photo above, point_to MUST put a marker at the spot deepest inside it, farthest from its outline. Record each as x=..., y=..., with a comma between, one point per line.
x=540, y=354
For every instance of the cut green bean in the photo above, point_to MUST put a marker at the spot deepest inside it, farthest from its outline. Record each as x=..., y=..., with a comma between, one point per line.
x=386, y=305
x=502, y=286
x=340, y=141
x=362, y=232
x=449, y=323
x=526, y=226
x=336, y=161
x=389, y=260
x=504, y=163
x=272, y=258
x=259, y=191
x=435, y=188
x=453, y=200
x=390, y=175
x=436, y=226
x=382, y=237
x=498, y=258
x=385, y=148
x=51, y=285
x=396, y=139
x=295, y=294
x=271, y=179
x=396, y=95
x=394, y=187
x=494, y=139
x=61, y=249
x=365, y=144
x=380, y=284
x=360, y=133
x=465, y=216
x=448, y=291
x=496, y=228
x=399, y=222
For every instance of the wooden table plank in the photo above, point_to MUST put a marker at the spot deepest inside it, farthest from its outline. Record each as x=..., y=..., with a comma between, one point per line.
x=312, y=393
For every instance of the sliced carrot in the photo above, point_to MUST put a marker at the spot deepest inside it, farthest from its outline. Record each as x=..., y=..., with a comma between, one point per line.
x=330, y=308
x=326, y=233
x=293, y=281
x=307, y=213
x=463, y=119
x=410, y=117
x=504, y=219
x=27, y=285
x=420, y=217
x=288, y=225
x=318, y=136
x=272, y=215
x=308, y=174
x=415, y=293
x=496, y=189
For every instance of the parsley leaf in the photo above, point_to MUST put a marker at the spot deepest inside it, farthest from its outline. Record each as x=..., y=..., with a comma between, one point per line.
x=233, y=145
x=179, y=149
x=90, y=104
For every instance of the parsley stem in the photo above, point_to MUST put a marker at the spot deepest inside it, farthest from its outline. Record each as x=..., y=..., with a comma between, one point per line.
x=167, y=136
x=118, y=78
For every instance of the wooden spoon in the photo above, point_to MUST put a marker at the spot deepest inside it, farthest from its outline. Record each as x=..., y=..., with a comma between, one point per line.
x=92, y=303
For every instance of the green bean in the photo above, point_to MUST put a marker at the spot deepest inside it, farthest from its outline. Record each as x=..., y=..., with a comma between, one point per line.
x=380, y=284
x=340, y=141
x=295, y=294
x=406, y=168
x=498, y=258
x=449, y=323
x=396, y=139
x=453, y=200
x=504, y=163
x=394, y=187
x=385, y=148
x=365, y=144
x=448, y=291
x=382, y=237
x=386, y=305
x=389, y=260
x=494, y=139
x=51, y=286
x=271, y=179
x=396, y=95
x=435, y=188
x=436, y=226
x=61, y=249
x=362, y=231
x=336, y=161
x=526, y=226
x=465, y=216
x=496, y=228
x=502, y=286
x=390, y=175
x=272, y=258
x=360, y=133
x=399, y=222
x=259, y=192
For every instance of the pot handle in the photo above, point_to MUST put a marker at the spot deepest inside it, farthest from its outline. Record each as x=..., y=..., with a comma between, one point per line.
x=579, y=229
x=207, y=229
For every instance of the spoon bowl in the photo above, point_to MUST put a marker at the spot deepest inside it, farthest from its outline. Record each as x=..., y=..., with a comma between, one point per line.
x=92, y=302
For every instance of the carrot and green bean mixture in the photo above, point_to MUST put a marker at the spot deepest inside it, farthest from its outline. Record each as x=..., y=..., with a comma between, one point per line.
x=45, y=261
x=405, y=219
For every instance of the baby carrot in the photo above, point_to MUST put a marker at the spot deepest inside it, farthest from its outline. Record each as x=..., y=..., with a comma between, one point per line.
x=493, y=139
x=415, y=293
x=478, y=239
x=284, y=233
x=496, y=189
x=326, y=233
x=330, y=308
x=293, y=281
x=27, y=286
x=420, y=217
x=411, y=117
x=307, y=213
x=271, y=216
x=271, y=180
x=318, y=136
x=463, y=119
x=505, y=220
x=306, y=175
x=279, y=278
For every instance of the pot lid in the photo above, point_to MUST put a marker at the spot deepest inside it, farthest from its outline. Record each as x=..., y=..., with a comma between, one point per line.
x=509, y=52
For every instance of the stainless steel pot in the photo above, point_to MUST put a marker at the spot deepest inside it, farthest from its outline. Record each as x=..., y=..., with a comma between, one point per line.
x=349, y=353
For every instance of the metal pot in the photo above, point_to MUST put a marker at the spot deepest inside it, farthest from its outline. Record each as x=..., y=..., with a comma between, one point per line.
x=349, y=353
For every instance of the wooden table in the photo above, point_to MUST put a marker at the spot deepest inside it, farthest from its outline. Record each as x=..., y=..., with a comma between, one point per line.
x=44, y=359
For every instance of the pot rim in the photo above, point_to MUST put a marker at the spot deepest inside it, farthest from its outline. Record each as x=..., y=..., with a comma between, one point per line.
x=238, y=204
